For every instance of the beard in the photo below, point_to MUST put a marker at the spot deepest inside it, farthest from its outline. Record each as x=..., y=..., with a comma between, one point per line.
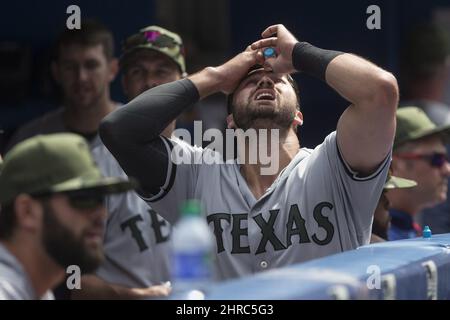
x=249, y=116
x=65, y=248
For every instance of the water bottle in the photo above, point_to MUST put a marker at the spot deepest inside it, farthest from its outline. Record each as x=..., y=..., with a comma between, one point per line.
x=426, y=232
x=192, y=245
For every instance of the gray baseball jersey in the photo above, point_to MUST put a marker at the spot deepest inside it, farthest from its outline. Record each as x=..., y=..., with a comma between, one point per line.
x=136, y=239
x=14, y=282
x=136, y=242
x=316, y=207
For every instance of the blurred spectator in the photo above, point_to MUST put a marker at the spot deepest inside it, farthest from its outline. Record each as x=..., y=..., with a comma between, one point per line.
x=84, y=67
x=135, y=236
x=419, y=155
x=136, y=239
x=425, y=69
x=52, y=216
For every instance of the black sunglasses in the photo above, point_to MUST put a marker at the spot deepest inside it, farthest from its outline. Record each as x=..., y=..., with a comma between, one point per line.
x=79, y=199
x=436, y=159
x=83, y=199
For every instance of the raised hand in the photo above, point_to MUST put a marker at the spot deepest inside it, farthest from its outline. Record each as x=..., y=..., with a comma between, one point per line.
x=278, y=37
x=226, y=77
x=232, y=71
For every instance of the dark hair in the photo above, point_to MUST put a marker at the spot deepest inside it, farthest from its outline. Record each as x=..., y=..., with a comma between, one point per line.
x=7, y=221
x=291, y=81
x=91, y=33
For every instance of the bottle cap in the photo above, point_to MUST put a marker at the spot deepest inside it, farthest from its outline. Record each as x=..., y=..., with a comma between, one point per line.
x=426, y=232
x=191, y=208
x=269, y=53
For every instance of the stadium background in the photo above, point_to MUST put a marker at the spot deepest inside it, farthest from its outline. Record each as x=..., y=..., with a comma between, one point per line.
x=213, y=31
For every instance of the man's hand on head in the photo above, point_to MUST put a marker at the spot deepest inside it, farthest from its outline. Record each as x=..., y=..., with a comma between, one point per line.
x=226, y=77
x=233, y=71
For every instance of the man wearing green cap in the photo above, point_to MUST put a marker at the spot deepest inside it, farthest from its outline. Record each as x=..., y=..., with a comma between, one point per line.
x=137, y=238
x=52, y=214
x=419, y=154
x=151, y=57
x=381, y=218
x=425, y=71
x=85, y=65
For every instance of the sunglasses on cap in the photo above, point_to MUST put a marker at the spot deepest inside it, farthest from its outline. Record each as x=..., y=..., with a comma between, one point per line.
x=80, y=199
x=436, y=159
x=153, y=37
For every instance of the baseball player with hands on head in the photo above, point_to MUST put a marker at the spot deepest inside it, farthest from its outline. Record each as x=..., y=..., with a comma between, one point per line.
x=318, y=202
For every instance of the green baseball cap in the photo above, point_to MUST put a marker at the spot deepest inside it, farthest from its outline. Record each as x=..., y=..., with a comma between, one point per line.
x=54, y=163
x=398, y=183
x=413, y=124
x=158, y=39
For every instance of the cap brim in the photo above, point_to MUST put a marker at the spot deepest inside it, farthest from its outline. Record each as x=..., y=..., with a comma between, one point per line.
x=443, y=130
x=399, y=183
x=104, y=185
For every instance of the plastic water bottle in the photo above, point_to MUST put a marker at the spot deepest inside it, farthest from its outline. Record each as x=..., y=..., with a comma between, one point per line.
x=192, y=245
x=426, y=232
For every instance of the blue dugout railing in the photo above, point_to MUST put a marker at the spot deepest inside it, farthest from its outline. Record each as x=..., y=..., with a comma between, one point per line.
x=407, y=269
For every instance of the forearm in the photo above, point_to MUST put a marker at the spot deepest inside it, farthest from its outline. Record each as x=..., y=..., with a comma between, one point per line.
x=362, y=83
x=366, y=129
x=226, y=77
x=95, y=288
x=207, y=81
x=354, y=78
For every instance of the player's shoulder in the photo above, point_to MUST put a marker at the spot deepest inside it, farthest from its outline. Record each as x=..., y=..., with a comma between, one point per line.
x=50, y=119
x=329, y=145
x=185, y=153
x=106, y=162
x=319, y=157
x=183, y=144
x=329, y=142
x=47, y=123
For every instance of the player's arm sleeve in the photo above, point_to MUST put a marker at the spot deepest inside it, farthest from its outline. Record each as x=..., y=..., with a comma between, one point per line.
x=358, y=194
x=132, y=134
